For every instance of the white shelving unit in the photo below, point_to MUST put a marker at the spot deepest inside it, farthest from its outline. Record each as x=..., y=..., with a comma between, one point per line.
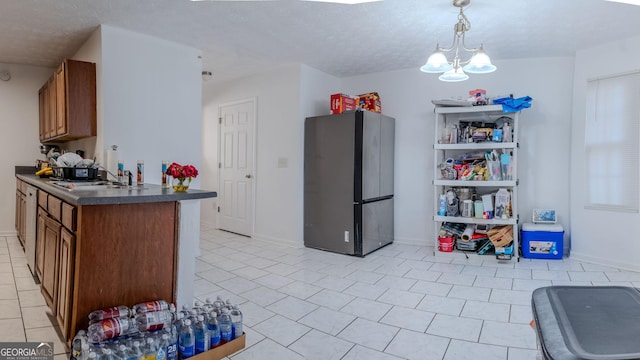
x=445, y=117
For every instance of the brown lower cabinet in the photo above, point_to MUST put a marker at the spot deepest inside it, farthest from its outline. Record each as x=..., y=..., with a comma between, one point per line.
x=65, y=279
x=42, y=215
x=95, y=256
x=50, y=266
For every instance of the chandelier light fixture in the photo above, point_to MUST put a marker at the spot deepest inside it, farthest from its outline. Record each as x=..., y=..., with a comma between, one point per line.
x=455, y=70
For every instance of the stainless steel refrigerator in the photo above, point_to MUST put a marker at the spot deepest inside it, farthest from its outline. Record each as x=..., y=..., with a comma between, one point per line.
x=348, y=182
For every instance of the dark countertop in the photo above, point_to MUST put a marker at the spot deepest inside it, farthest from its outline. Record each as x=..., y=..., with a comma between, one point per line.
x=134, y=194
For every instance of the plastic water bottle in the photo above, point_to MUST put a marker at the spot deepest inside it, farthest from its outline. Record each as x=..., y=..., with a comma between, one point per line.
x=136, y=351
x=150, y=350
x=125, y=353
x=186, y=340
x=109, y=313
x=201, y=333
x=149, y=306
x=185, y=311
x=108, y=329
x=78, y=345
x=170, y=348
x=177, y=325
x=193, y=316
x=154, y=320
x=162, y=350
x=107, y=354
x=224, y=320
x=86, y=349
x=197, y=306
x=208, y=305
x=236, y=322
x=218, y=303
x=131, y=351
x=214, y=330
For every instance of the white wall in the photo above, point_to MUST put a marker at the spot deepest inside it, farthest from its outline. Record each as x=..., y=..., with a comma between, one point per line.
x=19, y=142
x=544, y=135
x=604, y=237
x=152, y=100
x=150, y=105
x=285, y=97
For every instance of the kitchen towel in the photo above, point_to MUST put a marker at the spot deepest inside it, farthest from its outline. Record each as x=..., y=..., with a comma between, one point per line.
x=510, y=104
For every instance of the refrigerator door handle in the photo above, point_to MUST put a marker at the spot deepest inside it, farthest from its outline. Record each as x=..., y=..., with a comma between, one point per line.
x=379, y=198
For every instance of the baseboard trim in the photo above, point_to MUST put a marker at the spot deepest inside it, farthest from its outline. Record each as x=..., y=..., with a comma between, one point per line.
x=603, y=261
x=411, y=241
x=9, y=233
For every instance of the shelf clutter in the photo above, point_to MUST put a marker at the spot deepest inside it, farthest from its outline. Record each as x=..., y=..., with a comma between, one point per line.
x=477, y=238
x=475, y=179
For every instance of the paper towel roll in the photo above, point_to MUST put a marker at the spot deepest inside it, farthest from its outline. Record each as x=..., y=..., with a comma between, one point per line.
x=112, y=160
x=467, y=234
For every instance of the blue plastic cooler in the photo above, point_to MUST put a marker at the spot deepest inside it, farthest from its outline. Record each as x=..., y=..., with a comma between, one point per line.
x=542, y=241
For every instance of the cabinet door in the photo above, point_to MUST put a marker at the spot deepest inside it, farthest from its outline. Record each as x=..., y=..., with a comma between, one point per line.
x=22, y=226
x=44, y=108
x=18, y=212
x=50, y=267
x=46, y=121
x=65, y=280
x=61, y=98
x=40, y=243
x=53, y=101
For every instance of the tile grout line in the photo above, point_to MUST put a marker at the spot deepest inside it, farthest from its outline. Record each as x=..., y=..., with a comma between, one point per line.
x=15, y=285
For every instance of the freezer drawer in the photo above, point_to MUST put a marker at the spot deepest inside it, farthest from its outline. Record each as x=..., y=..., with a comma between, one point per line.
x=587, y=322
x=377, y=225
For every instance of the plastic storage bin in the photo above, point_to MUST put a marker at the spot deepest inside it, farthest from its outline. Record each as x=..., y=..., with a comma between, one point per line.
x=587, y=322
x=542, y=241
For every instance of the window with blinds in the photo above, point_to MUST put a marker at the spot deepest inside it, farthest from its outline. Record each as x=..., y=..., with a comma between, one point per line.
x=612, y=138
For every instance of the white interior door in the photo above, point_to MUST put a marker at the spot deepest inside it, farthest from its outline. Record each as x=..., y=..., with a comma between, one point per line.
x=235, y=196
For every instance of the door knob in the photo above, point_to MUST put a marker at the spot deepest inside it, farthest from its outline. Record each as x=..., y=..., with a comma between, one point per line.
x=248, y=176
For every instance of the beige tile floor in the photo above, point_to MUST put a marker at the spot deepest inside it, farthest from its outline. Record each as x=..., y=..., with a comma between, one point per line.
x=400, y=302
x=24, y=315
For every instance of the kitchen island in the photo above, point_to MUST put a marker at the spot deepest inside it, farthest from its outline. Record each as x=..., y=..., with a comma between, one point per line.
x=103, y=247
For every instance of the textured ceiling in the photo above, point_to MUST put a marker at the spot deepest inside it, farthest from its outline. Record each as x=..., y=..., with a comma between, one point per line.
x=240, y=38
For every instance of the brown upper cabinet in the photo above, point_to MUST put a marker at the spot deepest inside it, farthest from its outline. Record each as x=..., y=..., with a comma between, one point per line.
x=68, y=103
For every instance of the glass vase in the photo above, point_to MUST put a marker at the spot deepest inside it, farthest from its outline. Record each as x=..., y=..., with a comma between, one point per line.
x=180, y=184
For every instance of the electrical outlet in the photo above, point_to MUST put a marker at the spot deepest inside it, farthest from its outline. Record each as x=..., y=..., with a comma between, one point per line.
x=283, y=162
x=346, y=236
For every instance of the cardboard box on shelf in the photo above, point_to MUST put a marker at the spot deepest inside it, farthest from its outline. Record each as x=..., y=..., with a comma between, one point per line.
x=341, y=103
x=223, y=350
x=501, y=236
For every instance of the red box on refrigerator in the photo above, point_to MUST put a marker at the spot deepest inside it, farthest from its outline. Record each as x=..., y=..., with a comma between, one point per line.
x=370, y=101
x=341, y=103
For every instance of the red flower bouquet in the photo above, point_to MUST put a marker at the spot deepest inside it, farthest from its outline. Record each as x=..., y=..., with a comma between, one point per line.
x=182, y=175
